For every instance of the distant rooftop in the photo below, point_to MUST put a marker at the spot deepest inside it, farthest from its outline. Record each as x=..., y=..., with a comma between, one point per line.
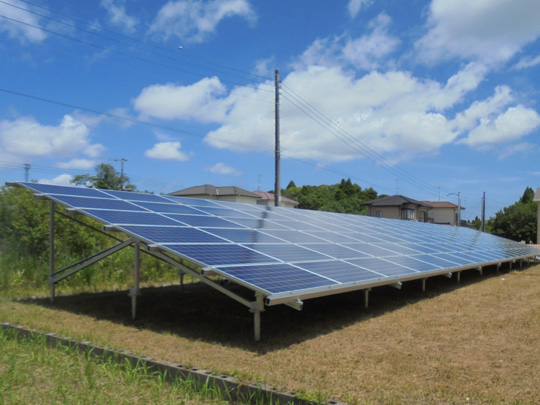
x=210, y=190
x=270, y=196
x=394, y=200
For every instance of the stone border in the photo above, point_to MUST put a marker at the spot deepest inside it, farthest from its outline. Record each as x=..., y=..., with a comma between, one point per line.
x=224, y=383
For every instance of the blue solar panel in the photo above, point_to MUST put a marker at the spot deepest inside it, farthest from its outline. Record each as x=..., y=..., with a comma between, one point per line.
x=204, y=221
x=131, y=218
x=277, y=278
x=214, y=255
x=339, y=271
x=166, y=234
x=104, y=203
x=287, y=252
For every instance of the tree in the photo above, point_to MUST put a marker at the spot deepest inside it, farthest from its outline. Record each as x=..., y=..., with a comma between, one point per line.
x=106, y=178
x=517, y=221
x=291, y=185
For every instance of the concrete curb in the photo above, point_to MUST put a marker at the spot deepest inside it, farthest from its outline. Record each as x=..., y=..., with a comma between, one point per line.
x=245, y=393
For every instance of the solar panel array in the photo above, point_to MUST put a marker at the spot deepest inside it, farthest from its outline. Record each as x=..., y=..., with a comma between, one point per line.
x=284, y=252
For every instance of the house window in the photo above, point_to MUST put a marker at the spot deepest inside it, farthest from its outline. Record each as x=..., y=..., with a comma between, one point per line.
x=378, y=213
x=407, y=213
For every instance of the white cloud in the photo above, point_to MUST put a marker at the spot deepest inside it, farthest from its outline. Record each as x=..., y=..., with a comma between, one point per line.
x=368, y=51
x=118, y=16
x=523, y=147
x=355, y=6
x=25, y=137
x=195, y=20
x=62, y=180
x=197, y=101
x=527, y=62
x=80, y=164
x=167, y=151
x=222, y=168
x=490, y=31
x=24, y=33
x=508, y=126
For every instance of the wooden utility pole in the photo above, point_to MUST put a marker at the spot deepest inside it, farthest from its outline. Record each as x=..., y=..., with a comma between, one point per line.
x=483, y=227
x=278, y=169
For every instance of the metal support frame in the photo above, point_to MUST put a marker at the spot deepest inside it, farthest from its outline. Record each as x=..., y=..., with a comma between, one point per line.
x=84, y=263
x=134, y=292
x=366, y=298
x=51, y=248
x=256, y=307
x=458, y=276
x=424, y=284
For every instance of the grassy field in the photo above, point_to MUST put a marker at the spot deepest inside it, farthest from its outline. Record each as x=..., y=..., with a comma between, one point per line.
x=32, y=373
x=469, y=342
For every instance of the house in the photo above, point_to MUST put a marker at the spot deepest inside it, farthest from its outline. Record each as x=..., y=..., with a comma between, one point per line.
x=443, y=212
x=537, y=199
x=210, y=192
x=269, y=199
x=398, y=207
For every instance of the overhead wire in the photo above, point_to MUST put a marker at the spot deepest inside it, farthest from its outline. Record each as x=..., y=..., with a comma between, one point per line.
x=339, y=132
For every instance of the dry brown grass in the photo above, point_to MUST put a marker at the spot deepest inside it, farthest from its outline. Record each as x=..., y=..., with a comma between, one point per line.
x=470, y=342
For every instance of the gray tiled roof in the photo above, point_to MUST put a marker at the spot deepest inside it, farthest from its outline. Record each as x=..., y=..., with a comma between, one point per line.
x=394, y=200
x=210, y=190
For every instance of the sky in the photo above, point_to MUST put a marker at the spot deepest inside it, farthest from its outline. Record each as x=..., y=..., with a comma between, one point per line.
x=428, y=99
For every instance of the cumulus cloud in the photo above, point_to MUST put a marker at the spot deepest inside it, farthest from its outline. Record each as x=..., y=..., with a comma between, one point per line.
x=222, y=168
x=25, y=137
x=117, y=15
x=80, y=164
x=367, y=51
x=197, y=101
x=195, y=20
x=62, y=180
x=355, y=6
x=511, y=125
x=24, y=33
x=490, y=31
x=167, y=151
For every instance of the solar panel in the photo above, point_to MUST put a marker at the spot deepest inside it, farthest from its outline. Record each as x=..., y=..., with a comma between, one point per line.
x=286, y=253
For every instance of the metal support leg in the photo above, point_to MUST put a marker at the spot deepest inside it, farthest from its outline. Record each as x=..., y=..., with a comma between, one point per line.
x=423, y=285
x=134, y=292
x=259, y=307
x=366, y=298
x=181, y=273
x=458, y=274
x=51, y=247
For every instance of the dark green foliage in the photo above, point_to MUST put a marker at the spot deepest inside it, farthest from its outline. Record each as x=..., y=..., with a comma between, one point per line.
x=345, y=197
x=24, y=248
x=517, y=221
x=106, y=178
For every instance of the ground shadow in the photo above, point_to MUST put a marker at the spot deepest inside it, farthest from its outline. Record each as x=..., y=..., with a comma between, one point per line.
x=198, y=312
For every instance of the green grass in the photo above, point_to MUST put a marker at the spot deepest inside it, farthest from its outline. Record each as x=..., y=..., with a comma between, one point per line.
x=32, y=372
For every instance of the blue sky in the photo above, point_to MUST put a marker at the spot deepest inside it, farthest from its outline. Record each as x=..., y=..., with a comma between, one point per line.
x=421, y=98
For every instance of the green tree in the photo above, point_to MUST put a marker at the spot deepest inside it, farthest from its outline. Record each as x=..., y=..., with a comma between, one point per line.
x=106, y=178
x=517, y=221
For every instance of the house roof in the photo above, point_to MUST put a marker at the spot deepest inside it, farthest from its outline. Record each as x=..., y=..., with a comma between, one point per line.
x=210, y=190
x=537, y=195
x=442, y=204
x=394, y=200
x=270, y=196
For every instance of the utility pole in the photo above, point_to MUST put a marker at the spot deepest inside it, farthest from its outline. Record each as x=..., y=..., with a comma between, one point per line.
x=121, y=160
x=278, y=169
x=26, y=171
x=459, y=207
x=483, y=226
